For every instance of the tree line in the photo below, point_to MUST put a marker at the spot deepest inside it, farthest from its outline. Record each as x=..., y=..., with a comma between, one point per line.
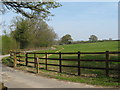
x=31, y=31
x=67, y=39
x=28, y=33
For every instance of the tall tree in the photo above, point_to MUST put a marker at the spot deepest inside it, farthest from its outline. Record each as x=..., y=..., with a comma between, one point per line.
x=31, y=9
x=66, y=39
x=22, y=32
x=44, y=34
x=33, y=33
x=93, y=38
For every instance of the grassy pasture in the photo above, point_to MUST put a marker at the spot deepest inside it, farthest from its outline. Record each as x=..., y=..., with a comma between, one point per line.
x=87, y=47
x=92, y=47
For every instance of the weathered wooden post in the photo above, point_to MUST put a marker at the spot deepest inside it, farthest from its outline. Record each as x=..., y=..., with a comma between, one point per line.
x=19, y=56
x=46, y=60
x=79, y=70
x=15, y=60
x=11, y=54
x=107, y=63
x=60, y=62
x=35, y=62
x=26, y=59
x=37, y=68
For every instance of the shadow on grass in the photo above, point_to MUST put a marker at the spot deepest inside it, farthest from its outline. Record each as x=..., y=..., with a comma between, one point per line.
x=31, y=72
x=58, y=72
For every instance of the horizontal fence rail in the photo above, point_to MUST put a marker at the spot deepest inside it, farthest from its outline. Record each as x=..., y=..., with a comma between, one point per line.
x=16, y=56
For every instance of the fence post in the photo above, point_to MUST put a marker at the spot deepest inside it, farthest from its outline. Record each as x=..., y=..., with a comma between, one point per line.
x=79, y=69
x=107, y=63
x=10, y=53
x=60, y=70
x=46, y=60
x=37, y=62
x=19, y=57
x=26, y=60
x=15, y=62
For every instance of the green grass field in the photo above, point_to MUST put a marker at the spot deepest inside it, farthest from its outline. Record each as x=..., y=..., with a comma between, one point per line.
x=90, y=76
x=92, y=47
x=87, y=47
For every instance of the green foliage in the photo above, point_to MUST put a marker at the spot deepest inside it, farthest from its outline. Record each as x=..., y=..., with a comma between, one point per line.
x=28, y=33
x=67, y=39
x=93, y=38
x=44, y=35
x=8, y=43
x=8, y=61
x=32, y=33
x=32, y=9
x=22, y=32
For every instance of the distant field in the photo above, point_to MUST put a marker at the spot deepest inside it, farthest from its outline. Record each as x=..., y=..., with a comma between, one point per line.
x=92, y=47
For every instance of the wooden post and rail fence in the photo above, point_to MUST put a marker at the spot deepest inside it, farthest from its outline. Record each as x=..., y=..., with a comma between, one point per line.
x=16, y=56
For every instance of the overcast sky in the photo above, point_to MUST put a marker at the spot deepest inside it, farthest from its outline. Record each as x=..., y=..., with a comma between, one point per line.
x=82, y=19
